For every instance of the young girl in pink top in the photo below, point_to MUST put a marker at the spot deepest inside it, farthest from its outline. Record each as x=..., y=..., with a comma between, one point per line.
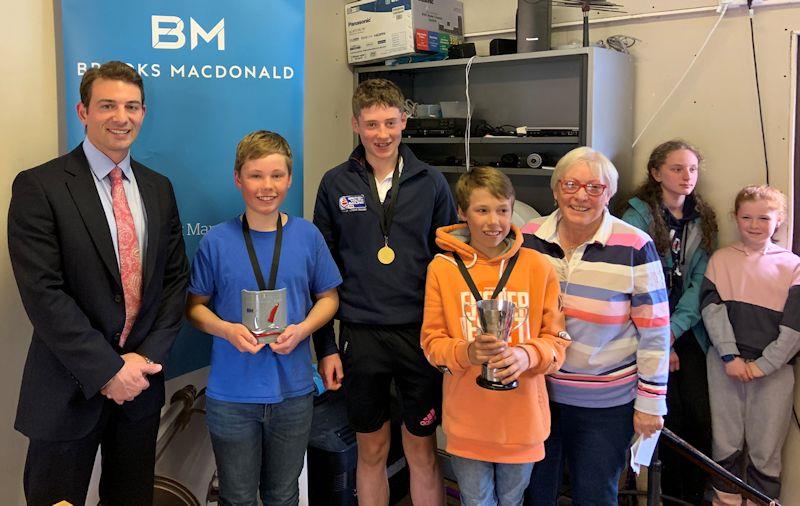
x=751, y=309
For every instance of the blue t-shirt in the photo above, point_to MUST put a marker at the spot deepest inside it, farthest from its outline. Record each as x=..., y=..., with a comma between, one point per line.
x=221, y=269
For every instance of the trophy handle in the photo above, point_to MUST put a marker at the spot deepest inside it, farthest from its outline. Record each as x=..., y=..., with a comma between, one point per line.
x=474, y=321
x=521, y=321
x=466, y=313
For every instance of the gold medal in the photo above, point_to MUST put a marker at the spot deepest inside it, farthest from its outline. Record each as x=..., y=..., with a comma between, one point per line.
x=386, y=255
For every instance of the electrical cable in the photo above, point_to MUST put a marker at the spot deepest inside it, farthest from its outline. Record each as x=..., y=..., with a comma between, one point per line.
x=758, y=90
x=621, y=43
x=469, y=112
x=484, y=128
x=724, y=9
x=410, y=108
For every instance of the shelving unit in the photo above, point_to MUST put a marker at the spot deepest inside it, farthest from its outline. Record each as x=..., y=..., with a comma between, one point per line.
x=591, y=88
x=492, y=140
x=510, y=171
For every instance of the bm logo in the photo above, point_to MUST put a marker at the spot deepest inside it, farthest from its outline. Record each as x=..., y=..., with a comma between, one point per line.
x=168, y=33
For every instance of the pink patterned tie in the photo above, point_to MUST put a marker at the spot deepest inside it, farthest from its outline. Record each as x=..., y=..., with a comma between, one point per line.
x=130, y=260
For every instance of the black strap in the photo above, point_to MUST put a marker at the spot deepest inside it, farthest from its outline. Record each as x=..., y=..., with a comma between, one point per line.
x=385, y=216
x=276, y=254
x=500, y=284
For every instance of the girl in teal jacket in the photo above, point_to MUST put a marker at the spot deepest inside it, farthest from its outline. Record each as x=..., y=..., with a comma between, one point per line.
x=684, y=230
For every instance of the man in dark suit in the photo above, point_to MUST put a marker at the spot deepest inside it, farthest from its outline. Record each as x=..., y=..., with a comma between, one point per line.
x=98, y=255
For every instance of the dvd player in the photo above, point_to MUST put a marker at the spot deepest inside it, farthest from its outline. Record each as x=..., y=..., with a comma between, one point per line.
x=435, y=127
x=548, y=131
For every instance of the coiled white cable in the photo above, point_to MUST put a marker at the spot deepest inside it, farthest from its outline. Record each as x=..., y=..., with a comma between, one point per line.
x=469, y=112
x=723, y=10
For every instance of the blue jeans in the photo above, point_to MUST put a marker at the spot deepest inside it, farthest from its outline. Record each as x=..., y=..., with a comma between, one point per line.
x=594, y=444
x=259, y=447
x=489, y=484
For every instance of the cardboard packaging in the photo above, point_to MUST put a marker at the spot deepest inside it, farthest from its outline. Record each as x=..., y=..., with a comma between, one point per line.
x=382, y=29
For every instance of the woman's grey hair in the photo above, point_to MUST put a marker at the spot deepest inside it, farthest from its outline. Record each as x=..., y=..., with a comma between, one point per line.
x=598, y=163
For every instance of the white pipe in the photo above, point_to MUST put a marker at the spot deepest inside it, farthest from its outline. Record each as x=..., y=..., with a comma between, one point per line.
x=686, y=73
x=644, y=15
x=499, y=31
x=793, y=51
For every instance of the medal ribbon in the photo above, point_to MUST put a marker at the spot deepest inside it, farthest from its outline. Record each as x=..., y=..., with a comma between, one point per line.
x=276, y=254
x=500, y=284
x=385, y=216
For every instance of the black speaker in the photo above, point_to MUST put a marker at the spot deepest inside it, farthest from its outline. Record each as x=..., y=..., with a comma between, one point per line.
x=534, y=20
x=509, y=160
x=502, y=46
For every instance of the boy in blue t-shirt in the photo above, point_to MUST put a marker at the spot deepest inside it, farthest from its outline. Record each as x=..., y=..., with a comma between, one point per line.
x=259, y=397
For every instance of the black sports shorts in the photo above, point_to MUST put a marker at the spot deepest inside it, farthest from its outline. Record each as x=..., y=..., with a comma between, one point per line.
x=373, y=356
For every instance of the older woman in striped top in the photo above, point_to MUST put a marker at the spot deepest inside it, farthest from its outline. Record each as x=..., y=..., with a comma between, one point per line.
x=613, y=381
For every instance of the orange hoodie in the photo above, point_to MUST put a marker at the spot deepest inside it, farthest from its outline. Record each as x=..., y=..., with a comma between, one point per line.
x=492, y=426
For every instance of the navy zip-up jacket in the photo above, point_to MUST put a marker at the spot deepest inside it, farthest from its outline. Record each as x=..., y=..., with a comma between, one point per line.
x=345, y=213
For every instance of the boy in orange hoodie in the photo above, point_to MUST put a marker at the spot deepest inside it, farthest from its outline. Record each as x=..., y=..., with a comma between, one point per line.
x=494, y=437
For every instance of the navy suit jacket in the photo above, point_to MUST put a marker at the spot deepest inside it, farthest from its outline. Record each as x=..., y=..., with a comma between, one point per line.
x=66, y=270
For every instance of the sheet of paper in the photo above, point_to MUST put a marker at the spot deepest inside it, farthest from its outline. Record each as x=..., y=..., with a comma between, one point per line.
x=642, y=451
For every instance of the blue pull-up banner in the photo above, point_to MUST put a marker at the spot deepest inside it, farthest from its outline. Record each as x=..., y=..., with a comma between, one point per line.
x=213, y=71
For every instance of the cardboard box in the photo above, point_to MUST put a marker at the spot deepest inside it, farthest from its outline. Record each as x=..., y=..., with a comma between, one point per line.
x=381, y=29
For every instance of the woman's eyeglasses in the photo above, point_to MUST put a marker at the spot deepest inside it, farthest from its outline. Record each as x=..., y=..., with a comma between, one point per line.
x=572, y=186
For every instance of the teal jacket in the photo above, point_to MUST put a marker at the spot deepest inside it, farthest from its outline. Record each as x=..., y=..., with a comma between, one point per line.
x=687, y=313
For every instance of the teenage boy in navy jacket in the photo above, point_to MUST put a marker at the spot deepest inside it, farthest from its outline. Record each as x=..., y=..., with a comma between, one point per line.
x=379, y=212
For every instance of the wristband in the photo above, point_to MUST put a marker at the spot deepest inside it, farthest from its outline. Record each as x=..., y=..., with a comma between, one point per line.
x=728, y=358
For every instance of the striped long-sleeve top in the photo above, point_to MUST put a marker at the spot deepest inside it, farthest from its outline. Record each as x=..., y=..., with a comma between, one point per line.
x=751, y=304
x=617, y=313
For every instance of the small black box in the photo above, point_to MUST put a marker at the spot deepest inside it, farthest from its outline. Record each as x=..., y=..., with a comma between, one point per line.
x=466, y=50
x=332, y=453
x=502, y=46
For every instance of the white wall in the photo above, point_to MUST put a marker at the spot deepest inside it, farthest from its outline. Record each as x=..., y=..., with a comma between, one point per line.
x=329, y=86
x=28, y=129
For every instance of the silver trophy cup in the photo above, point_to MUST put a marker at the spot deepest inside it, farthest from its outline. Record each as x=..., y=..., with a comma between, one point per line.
x=496, y=317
